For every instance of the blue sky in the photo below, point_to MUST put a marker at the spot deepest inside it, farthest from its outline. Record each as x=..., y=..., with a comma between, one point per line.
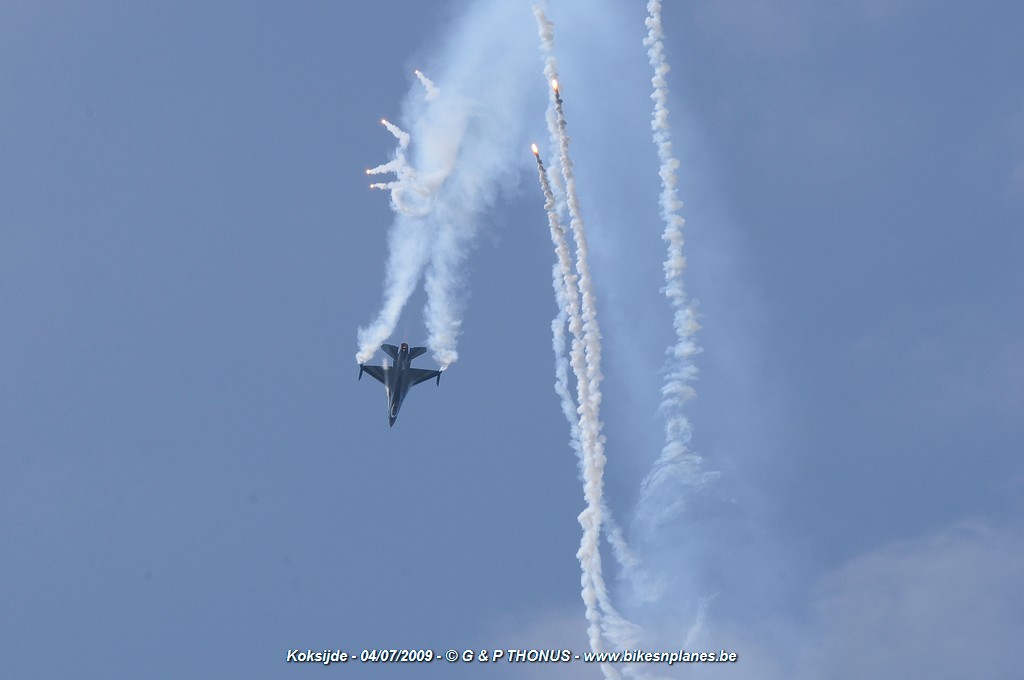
x=192, y=481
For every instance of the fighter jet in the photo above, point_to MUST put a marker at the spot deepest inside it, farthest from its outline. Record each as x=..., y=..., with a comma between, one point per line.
x=399, y=378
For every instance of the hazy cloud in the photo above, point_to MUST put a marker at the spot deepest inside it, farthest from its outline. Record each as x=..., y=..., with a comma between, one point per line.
x=948, y=605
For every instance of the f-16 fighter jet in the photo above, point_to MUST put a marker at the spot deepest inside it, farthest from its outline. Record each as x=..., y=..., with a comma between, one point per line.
x=399, y=378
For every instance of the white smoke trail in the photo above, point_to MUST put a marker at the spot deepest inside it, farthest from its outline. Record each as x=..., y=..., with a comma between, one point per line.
x=408, y=196
x=586, y=362
x=443, y=312
x=567, y=300
x=616, y=629
x=448, y=168
x=428, y=85
x=406, y=258
x=447, y=122
x=456, y=228
x=408, y=243
x=562, y=364
x=401, y=135
x=677, y=463
x=567, y=297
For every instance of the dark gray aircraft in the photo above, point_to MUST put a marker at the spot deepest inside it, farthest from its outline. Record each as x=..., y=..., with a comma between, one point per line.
x=399, y=378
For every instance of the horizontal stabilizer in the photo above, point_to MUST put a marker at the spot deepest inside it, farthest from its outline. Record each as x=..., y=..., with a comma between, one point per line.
x=416, y=351
x=391, y=351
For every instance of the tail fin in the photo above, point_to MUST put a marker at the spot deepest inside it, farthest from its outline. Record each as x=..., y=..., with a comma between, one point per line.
x=416, y=351
x=391, y=351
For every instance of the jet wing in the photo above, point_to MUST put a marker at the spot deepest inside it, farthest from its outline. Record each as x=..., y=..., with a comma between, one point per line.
x=418, y=375
x=374, y=371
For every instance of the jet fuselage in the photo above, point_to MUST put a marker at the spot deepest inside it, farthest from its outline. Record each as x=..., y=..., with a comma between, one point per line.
x=397, y=379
